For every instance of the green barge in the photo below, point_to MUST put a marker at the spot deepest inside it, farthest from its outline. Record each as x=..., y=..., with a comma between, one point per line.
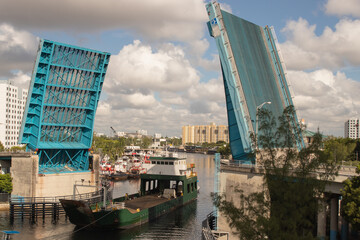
x=159, y=193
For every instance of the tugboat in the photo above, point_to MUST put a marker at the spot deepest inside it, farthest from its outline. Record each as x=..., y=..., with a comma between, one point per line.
x=168, y=184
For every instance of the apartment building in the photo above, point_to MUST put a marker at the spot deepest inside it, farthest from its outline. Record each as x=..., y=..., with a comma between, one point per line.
x=12, y=105
x=352, y=128
x=205, y=133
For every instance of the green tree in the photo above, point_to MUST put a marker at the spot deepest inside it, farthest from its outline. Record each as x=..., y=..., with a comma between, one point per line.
x=145, y=142
x=340, y=149
x=287, y=207
x=2, y=148
x=220, y=143
x=351, y=200
x=5, y=183
x=174, y=141
x=17, y=148
x=225, y=151
x=114, y=148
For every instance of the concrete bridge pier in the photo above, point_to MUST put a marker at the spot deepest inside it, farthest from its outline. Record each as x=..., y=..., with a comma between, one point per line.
x=344, y=225
x=321, y=221
x=338, y=224
x=334, y=211
x=27, y=182
x=250, y=179
x=344, y=229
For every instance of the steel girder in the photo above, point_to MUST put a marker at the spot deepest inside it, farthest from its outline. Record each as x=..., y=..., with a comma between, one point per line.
x=252, y=74
x=59, y=115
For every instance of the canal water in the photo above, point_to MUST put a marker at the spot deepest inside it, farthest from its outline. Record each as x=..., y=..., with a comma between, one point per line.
x=183, y=223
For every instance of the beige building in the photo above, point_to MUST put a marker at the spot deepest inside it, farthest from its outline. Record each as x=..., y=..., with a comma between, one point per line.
x=204, y=133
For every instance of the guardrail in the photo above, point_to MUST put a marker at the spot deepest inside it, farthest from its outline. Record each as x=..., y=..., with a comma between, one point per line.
x=34, y=207
x=84, y=196
x=209, y=231
x=344, y=169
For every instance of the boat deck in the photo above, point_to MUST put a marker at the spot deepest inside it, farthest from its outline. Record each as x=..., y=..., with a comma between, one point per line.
x=144, y=202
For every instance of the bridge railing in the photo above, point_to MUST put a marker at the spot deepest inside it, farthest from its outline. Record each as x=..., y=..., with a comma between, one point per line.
x=343, y=169
x=34, y=207
x=209, y=231
x=84, y=196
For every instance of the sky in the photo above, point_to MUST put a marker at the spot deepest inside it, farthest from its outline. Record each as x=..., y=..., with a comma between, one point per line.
x=164, y=71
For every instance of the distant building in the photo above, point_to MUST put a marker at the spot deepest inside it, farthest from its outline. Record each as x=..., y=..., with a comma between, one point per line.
x=99, y=134
x=12, y=105
x=142, y=132
x=133, y=135
x=205, y=133
x=157, y=135
x=352, y=128
x=121, y=134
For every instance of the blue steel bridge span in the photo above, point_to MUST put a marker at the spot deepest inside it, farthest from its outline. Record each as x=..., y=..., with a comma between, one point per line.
x=60, y=110
x=252, y=73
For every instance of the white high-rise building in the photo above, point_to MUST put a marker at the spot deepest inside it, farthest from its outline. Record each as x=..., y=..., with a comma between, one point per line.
x=12, y=106
x=352, y=128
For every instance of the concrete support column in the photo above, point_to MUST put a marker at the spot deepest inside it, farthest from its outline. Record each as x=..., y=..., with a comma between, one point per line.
x=344, y=229
x=321, y=221
x=334, y=217
x=344, y=225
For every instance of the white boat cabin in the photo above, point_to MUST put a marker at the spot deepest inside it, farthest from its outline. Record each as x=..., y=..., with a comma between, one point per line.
x=168, y=166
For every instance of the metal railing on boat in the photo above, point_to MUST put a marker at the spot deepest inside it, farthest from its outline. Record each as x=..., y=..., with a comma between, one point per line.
x=34, y=207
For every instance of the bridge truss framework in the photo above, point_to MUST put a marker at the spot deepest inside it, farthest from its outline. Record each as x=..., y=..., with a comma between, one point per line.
x=60, y=110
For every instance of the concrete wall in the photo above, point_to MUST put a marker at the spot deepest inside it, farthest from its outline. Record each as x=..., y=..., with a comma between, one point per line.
x=250, y=179
x=230, y=180
x=28, y=183
x=24, y=171
x=63, y=184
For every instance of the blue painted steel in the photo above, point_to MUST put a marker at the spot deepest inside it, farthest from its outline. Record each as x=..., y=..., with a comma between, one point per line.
x=344, y=229
x=333, y=234
x=284, y=88
x=236, y=143
x=238, y=111
x=216, y=184
x=252, y=74
x=59, y=115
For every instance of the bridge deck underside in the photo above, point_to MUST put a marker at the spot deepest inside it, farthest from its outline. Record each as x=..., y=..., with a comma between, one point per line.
x=252, y=73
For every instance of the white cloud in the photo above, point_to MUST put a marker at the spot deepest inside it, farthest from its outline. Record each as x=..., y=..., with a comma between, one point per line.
x=226, y=7
x=158, y=19
x=332, y=49
x=17, y=50
x=212, y=90
x=324, y=99
x=157, y=90
x=139, y=67
x=135, y=101
x=20, y=79
x=173, y=98
x=154, y=21
x=161, y=118
x=343, y=7
x=197, y=49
